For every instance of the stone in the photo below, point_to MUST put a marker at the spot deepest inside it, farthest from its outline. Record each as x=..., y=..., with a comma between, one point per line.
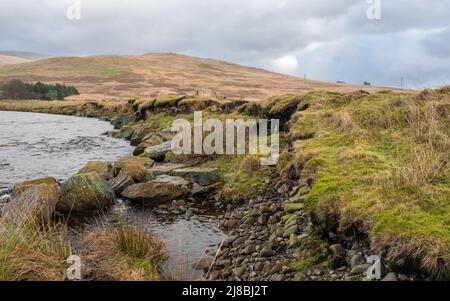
x=103, y=169
x=359, y=269
x=121, y=182
x=37, y=202
x=121, y=121
x=85, y=192
x=201, y=176
x=337, y=250
x=357, y=259
x=294, y=241
x=136, y=167
x=289, y=231
x=177, y=181
x=152, y=193
x=23, y=186
x=158, y=152
x=266, y=252
x=165, y=169
x=149, y=141
x=239, y=271
x=390, y=277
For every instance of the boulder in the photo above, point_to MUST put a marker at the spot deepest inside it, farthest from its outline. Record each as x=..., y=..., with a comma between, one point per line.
x=121, y=182
x=121, y=121
x=136, y=167
x=293, y=207
x=150, y=141
x=201, y=176
x=37, y=202
x=158, y=152
x=140, y=133
x=103, y=169
x=85, y=192
x=152, y=193
x=23, y=186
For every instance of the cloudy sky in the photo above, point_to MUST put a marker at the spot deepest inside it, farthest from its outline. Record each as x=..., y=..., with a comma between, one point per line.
x=347, y=40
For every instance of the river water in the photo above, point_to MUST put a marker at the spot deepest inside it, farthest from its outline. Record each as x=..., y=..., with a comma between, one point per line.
x=39, y=145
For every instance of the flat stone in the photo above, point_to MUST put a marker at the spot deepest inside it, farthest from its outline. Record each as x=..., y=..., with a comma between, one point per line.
x=360, y=269
x=201, y=176
x=159, y=151
x=390, y=278
x=293, y=207
x=152, y=193
x=177, y=181
x=291, y=230
x=165, y=169
x=121, y=182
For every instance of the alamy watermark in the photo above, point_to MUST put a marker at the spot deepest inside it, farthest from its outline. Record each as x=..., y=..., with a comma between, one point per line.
x=73, y=11
x=229, y=137
x=374, y=10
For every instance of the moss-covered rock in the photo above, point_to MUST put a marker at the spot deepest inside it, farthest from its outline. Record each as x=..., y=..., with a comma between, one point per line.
x=23, y=186
x=150, y=141
x=85, y=192
x=103, y=169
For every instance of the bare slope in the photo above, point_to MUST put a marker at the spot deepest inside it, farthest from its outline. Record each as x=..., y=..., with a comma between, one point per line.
x=10, y=60
x=156, y=74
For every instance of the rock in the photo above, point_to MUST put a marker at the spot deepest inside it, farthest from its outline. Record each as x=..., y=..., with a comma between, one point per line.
x=103, y=169
x=262, y=220
x=289, y=231
x=390, y=278
x=22, y=186
x=38, y=202
x=158, y=152
x=141, y=133
x=248, y=250
x=238, y=272
x=201, y=176
x=337, y=250
x=152, y=193
x=266, y=252
x=356, y=260
x=177, y=181
x=121, y=121
x=293, y=207
x=149, y=141
x=360, y=269
x=121, y=182
x=294, y=241
x=85, y=192
x=165, y=169
x=136, y=167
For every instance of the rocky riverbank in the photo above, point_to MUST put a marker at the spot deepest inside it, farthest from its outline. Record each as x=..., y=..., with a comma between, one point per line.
x=301, y=220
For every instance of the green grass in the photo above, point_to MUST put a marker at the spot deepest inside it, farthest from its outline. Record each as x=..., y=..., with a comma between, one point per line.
x=373, y=173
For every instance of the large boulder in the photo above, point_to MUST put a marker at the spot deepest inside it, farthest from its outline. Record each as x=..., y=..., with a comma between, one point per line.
x=23, y=186
x=85, y=192
x=202, y=176
x=103, y=169
x=177, y=181
x=158, y=152
x=137, y=168
x=35, y=204
x=152, y=193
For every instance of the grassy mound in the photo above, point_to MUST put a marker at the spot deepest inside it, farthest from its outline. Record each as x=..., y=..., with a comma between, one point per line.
x=380, y=165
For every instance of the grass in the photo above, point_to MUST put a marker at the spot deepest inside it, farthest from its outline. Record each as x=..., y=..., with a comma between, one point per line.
x=32, y=252
x=381, y=166
x=124, y=253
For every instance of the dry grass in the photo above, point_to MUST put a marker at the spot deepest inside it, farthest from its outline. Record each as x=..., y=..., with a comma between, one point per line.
x=32, y=252
x=123, y=254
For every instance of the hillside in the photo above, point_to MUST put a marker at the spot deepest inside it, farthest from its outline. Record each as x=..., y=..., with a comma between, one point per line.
x=161, y=74
x=6, y=60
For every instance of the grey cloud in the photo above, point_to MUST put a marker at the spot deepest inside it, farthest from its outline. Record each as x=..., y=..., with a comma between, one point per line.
x=331, y=40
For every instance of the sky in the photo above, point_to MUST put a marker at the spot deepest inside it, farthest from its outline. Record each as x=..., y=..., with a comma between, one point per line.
x=379, y=41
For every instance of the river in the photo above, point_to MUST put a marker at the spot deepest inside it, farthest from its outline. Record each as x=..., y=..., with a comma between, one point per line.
x=38, y=145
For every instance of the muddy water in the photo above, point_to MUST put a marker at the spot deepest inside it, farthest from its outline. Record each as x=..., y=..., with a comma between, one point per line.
x=38, y=145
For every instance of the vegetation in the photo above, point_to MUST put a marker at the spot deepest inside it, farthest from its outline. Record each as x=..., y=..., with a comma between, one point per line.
x=380, y=165
x=16, y=89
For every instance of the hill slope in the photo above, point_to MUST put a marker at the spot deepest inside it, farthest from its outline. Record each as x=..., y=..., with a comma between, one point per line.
x=156, y=74
x=6, y=60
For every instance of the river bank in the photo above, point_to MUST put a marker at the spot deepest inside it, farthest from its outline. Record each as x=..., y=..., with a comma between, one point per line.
x=299, y=220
